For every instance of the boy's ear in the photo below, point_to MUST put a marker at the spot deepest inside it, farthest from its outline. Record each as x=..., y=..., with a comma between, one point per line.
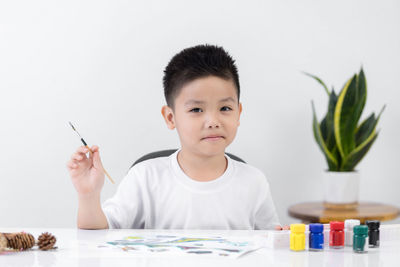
x=240, y=112
x=168, y=115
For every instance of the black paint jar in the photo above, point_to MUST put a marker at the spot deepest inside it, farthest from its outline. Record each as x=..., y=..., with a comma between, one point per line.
x=373, y=234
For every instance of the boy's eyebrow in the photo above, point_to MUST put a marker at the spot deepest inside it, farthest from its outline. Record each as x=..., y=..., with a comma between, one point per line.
x=228, y=99
x=197, y=102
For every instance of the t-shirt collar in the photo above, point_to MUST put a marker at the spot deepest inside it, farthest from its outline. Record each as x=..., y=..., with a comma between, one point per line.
x=208, y=186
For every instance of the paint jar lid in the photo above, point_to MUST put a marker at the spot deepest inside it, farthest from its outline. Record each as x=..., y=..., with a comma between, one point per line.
x=360, y=230
x=297, y=228
x=316, y=227
x=337, y=225
x=373, y=224
x=349, y=224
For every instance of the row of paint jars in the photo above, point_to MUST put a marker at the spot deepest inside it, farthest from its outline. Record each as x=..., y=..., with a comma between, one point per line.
x=360, y=237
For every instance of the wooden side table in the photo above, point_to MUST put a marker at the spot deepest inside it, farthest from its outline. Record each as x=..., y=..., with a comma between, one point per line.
x=315, y=212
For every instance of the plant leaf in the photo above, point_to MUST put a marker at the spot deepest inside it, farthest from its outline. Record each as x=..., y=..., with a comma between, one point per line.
x=361, y=93
x=345, y=117
x=330, y=129
x=365, y=129
x=318, y=80
x=367, y=126
x=332, y=162
x=336, y=155
x=358, y=153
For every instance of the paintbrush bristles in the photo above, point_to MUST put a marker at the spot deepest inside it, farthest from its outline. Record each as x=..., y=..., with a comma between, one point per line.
x=73, y=128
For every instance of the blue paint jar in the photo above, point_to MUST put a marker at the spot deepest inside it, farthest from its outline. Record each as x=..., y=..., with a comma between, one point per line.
x=316, y=238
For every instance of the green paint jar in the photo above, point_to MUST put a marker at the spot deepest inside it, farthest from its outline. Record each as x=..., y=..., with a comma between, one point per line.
x=360, y=239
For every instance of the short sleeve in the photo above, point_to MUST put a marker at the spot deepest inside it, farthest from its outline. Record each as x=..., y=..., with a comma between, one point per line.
x=125, y=209
x=265, y=215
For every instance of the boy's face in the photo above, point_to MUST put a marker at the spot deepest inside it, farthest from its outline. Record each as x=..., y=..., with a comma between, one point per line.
x=206, y=115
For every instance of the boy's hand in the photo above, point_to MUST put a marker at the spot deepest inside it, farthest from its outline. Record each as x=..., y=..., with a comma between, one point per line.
x=87, y=174
x=279, y=228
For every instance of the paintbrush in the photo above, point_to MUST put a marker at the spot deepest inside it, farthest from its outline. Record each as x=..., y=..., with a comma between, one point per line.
x=83, y=141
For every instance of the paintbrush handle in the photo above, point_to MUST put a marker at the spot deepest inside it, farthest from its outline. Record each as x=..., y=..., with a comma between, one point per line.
x=109, y=177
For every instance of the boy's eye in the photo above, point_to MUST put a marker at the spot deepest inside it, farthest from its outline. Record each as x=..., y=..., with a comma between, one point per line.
x=226, y=108
x=195, y=110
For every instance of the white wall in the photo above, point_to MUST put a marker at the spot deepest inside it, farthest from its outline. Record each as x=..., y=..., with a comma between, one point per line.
x=99, y=64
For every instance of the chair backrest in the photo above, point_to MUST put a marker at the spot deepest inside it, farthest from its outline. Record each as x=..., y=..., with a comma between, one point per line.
x=168, y=152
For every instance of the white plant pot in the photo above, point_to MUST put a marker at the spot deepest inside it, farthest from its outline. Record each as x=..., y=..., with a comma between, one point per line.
x=341, y=188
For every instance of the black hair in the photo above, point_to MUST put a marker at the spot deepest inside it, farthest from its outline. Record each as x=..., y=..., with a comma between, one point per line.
x=198, y=62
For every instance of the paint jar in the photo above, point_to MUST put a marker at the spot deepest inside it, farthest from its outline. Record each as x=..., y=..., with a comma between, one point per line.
x=316, y=237
x=336, y=236
x=348, y=231
x=360, y=239
x=297, y=237
x=373, y=227
x=327, y=230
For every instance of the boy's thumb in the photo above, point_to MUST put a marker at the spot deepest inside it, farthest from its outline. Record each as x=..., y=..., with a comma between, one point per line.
x=96, y=160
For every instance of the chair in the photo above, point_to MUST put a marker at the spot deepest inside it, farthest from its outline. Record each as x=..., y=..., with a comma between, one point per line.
x=168, y=152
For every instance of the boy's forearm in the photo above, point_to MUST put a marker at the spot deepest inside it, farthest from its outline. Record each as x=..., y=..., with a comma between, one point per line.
x=90, y=213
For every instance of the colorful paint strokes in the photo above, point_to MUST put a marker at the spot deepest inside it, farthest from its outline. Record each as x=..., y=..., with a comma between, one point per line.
x=186, y=245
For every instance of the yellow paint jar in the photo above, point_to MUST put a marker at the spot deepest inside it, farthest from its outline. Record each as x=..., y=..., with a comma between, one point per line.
x=297, y=237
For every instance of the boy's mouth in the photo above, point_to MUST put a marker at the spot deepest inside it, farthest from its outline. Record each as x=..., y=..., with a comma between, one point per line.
x=213, y=137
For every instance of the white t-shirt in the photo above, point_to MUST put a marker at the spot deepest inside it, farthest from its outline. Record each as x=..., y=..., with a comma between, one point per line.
x=157, y=194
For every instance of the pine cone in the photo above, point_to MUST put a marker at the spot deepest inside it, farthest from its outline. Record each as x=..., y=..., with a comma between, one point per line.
x=46, y=241
x=3, y=242
x=20, y=241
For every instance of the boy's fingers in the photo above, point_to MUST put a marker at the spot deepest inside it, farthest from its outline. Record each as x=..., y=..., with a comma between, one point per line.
x=78, y=156
x=94, y=149
x=96, y=159
x=68, y=165
x=71, y=165
x=75, y=163
x=82, y=149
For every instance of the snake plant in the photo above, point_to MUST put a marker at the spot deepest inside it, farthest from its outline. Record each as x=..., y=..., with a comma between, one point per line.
x=343, y=140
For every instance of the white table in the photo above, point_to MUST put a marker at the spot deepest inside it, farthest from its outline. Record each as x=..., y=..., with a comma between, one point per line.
x=73, y=250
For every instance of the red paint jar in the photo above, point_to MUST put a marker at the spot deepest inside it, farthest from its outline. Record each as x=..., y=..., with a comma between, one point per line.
x=336, y=235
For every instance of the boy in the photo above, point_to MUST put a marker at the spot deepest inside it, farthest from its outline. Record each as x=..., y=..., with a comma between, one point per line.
x=197, y=187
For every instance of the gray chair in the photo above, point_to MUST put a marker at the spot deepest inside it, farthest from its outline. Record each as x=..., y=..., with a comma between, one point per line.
x=168, y=152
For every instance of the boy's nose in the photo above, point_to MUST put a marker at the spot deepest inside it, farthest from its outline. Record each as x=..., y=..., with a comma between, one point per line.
x=214, y=125
x=213, y=122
